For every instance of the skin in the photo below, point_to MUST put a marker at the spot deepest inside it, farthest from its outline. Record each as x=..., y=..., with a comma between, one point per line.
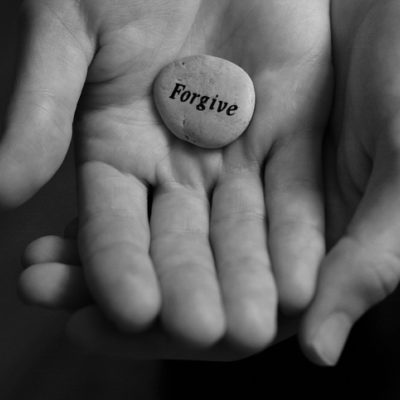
x=363, y=176
x=196, y=245
x=362, y=179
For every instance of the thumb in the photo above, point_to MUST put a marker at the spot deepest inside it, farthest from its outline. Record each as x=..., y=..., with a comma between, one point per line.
x=361, y=269
x=38, y=126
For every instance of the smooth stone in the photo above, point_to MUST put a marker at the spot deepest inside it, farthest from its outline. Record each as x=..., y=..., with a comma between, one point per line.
x=205, y=100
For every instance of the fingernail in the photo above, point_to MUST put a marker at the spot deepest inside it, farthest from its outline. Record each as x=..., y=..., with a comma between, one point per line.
x=330, y=339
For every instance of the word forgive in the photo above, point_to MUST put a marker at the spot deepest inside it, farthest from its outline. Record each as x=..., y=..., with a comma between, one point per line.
x=202, y=102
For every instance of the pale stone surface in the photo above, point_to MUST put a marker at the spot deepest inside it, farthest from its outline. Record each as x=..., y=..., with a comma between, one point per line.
x=205, y=100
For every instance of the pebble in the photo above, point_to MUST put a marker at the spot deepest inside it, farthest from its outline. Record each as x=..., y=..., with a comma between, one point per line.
x=205, y=100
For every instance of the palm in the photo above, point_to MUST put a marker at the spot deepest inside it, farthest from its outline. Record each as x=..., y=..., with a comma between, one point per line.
x=122, y=73
x=203, y=249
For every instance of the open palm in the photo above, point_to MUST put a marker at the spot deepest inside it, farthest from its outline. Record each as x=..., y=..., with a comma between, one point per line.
x=199, y=238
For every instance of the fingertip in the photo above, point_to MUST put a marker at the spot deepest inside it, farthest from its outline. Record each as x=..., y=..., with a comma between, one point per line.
x=252, y=331
x=15, y=187
x=252, y=316
x=323, y=341
x=131, y=305
x=37, y=251
x=199, y=327
x=295, y=293
x=296, y=254
x=132, y=320
x=35, y=286
x=346, y=288
x=12, y=194
x=48, y=249
x=53, y=285
x=23, y=174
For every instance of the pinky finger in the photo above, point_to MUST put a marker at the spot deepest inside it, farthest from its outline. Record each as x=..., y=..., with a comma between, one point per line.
x=54, y=285
x=51, y=249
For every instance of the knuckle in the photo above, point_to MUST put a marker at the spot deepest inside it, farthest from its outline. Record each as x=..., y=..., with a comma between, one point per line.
x=374, y=271
x=381, y=277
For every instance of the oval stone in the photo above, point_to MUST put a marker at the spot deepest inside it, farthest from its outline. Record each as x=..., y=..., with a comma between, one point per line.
x=205, y=100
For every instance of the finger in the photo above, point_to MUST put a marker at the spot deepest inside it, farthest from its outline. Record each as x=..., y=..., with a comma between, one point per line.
x=192, y=307
x=92, y=332
x=54, y=285
x=56, y=54
x=238, y=233
x=62, y=286
x=296, y=219
x=361, y=269
x=114, y=242
x=53, y=278
x=49, y=249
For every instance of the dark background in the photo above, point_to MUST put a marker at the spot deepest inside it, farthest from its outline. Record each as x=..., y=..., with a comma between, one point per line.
x=37, y=362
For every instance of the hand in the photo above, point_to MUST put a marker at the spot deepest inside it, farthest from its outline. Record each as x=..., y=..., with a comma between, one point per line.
x=54, y=278
x=168, y=230
x=363, y=265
